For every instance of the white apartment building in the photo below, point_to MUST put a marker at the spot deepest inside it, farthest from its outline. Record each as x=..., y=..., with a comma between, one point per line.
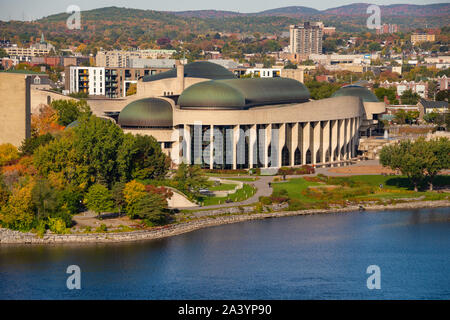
x=264, y=72
x=90, y=80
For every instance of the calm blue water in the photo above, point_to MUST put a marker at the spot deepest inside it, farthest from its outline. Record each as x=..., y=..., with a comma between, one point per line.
x=310, y=257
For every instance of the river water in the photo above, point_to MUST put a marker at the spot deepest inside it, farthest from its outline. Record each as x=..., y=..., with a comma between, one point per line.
x=304, y=257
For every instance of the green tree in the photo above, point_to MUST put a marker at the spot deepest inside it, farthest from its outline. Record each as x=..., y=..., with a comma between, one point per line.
x=99, y=199
x=290, y=65
x=420, y=161
x=443, y=95
x=118, y=196
x=390, y=93
x=400, y=116
x=409, y=97
x=70, y=110
x=412, y=116
x=141, y=157
x=3, y=53
x=44, y=199
x=437, y=157
x=190, y=179
x=321, y=90
x=151, y=208
x=29, y=145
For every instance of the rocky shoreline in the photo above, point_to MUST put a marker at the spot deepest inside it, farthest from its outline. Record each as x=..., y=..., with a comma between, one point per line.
x=15, y=237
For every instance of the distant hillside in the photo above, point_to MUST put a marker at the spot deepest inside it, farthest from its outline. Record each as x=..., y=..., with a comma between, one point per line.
x=355, y=10
x=359, y=9
x=289, y=11
x=206, y=14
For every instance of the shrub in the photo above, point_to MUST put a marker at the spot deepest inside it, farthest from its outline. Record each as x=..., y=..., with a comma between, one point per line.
x=265, y=200
x=305, y=169
x=226, y=171
x=57, y=225
x=295, y=205
x=102, y=228
x=8, y=154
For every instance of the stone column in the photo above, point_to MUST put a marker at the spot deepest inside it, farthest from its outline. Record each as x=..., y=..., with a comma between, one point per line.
x=294, y=142
x=268, y=138
x=187, y=141
x=334, y=139
x=347, y=138
x=355, y=135
x=252, y=140
x=235, y=142
x=315, y=141
x=325, y=140
x=341, y=137
x=211, y=147
x=281, y=142
x=305, y=143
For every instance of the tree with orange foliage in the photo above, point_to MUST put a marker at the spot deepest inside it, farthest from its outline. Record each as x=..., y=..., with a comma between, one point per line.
x=8, y=154
x=45, y=121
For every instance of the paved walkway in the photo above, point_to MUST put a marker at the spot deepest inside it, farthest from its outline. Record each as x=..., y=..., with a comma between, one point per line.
x=263, y=188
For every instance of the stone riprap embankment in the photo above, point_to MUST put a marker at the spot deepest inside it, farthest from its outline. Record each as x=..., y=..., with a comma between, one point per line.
x=16, y=237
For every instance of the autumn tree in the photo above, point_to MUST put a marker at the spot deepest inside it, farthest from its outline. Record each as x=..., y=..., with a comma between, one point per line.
x=18, y=214
x=99, y=199
x=45, y=121
x=8, y=154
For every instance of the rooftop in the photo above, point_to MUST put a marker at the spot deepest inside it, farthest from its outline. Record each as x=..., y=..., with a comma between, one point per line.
x=199, y=69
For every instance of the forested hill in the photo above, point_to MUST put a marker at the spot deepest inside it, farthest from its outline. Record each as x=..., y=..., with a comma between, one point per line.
x=113, y=26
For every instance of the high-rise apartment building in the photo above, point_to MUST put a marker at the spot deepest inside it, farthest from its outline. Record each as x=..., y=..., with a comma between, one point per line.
x=307, y=38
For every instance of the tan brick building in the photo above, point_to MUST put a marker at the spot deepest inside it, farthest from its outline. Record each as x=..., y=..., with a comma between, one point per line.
x=15, y=114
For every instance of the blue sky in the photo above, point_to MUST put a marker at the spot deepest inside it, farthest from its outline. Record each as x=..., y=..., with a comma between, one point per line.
x=35, y=9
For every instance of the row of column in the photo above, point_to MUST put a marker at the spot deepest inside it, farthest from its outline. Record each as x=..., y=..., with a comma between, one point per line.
x=271, y=145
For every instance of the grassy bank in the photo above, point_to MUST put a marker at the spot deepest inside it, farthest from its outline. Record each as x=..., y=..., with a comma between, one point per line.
x=324, y=191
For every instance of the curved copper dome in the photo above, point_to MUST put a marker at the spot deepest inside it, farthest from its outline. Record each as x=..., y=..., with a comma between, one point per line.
x=198, y=69
x=356, y=91
x=149, y=112
x=243, y=93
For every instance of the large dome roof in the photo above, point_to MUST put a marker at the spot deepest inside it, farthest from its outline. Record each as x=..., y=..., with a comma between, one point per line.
x=199, y=69
x=243, y=93
x=357, y=91
x=149, y=112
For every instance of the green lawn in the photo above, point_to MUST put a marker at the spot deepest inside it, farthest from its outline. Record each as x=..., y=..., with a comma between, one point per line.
x=243, y=179
x=294, y=187
x=240, y=195
x=223, y=187
x=394, y=187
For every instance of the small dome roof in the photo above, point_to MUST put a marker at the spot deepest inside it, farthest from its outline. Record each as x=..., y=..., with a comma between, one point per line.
x=212, y=94
x=198, y=69
x=149, y=112
x=243, y=93
x=357, y=91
